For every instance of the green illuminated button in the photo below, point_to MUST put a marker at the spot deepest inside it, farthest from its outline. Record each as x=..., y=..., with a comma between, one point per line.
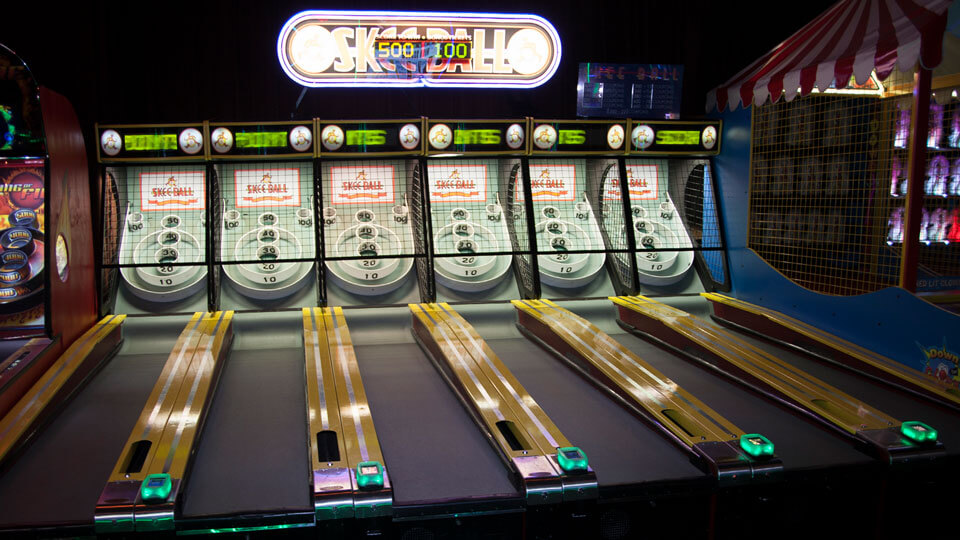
x=572, y=459
x=756, y=445
x=369, y=475
x=918, y=432
x=155, y=488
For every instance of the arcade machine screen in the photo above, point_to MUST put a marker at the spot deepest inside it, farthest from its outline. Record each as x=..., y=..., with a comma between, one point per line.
x=267, y=235
x=22, y=196
x=22, y=277
x=372, y=202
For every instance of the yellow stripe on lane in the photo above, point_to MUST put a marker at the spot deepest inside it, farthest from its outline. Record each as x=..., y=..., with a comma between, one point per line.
x=871, y=358
x=323, y=412
x=156, y=411
x=34, y=403
x=539, y=426
x=815, y=395
x=359, y=432
x=687, y=418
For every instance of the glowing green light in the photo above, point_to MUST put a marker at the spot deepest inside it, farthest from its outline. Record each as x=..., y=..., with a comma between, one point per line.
x=678, y=137
x=572, y=136
x=476, y=136
x=572, y=459
x=918, y=432
x=369, y=475
x=262, y=139
x=227, y=530
x=147, y=142
x=155, y=488
x=366, y=136
x=756, y=445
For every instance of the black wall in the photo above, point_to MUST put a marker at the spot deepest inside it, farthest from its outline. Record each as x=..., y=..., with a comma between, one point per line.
x=122, y=62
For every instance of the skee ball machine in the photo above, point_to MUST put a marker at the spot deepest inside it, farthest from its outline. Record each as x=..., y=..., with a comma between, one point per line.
x=266, y=237
x=472, y=167
x=154, y=200
x=371, y=190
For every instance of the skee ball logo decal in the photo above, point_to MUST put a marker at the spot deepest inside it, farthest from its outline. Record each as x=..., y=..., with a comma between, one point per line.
x=257, y=188
x=363, y=48
x=161, y=191
x=362, y=184
x=458, y=183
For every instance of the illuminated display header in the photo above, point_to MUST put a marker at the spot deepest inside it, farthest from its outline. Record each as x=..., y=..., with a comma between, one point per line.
x=363, y=48
x=476, y=137
x=165, y=141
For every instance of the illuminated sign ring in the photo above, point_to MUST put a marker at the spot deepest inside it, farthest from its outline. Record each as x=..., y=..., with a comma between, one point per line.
x=408, y=49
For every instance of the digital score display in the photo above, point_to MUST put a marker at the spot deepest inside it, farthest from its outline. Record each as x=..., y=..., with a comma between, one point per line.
x=142, y=142
x=410, y=49
x=584, y=137
x=382, y=137
x=261, y=139
x=423, y=49
x=678, y=137
x=150, y=142
x=366, y=137
x=681, y=137
x=478, y=137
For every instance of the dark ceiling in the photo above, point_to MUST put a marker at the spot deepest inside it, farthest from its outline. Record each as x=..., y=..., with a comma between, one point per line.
x=119, y=62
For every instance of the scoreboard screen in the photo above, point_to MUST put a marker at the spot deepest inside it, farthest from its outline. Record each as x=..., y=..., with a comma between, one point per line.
x=424, y=49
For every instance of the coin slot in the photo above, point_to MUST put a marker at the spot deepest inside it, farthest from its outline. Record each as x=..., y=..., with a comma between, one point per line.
x=136, y=457
x=327, y=448
x=513, y=436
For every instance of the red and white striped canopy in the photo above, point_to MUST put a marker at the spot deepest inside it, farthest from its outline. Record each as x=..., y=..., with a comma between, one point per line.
x=852, y=37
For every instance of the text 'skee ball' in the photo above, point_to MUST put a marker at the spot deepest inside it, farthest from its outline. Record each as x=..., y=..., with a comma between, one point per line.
x=31, y=196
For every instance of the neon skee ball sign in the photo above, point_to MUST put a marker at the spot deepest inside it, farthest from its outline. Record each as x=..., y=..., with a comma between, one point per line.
x=411, y=49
